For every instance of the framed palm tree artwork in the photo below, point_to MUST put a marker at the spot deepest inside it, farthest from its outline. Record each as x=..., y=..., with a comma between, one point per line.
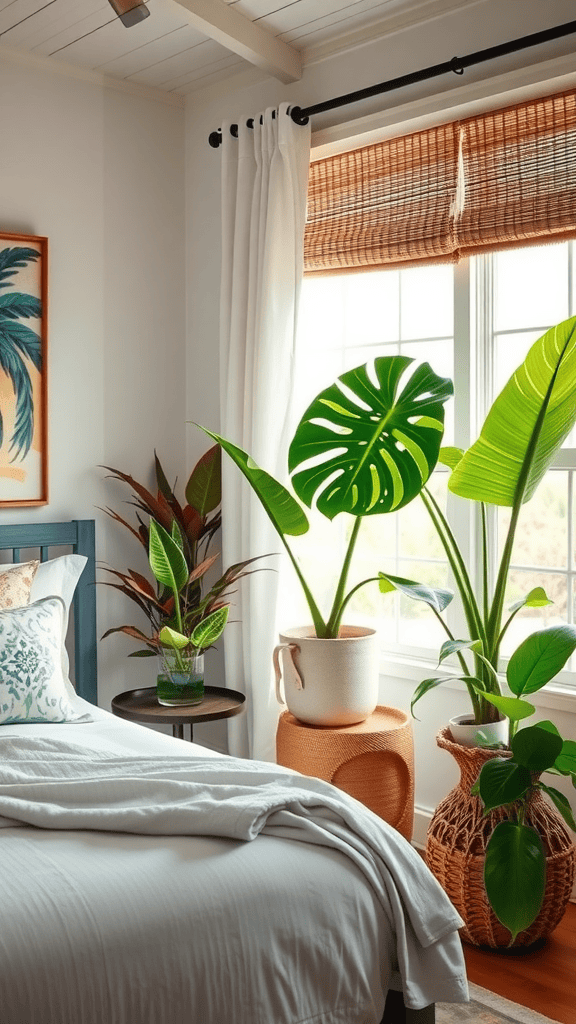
x=23, y=390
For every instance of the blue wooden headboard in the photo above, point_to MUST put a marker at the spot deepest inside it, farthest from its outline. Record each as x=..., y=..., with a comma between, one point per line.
x=79, y=535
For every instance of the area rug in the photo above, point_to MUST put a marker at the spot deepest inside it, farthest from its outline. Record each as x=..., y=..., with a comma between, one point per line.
x=487, y=1008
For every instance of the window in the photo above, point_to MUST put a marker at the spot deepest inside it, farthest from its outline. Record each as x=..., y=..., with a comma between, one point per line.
x=473, y=322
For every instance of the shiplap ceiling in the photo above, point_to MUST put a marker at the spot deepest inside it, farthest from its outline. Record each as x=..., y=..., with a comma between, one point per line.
x=186, y=45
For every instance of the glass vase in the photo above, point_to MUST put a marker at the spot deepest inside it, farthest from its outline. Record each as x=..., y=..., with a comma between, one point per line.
x=180, y=679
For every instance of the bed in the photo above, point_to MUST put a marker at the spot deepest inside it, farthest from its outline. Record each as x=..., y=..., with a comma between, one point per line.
x=148, y=880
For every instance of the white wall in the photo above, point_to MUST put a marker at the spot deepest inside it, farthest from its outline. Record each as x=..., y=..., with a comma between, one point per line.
x=484, y=24
x=101, y=173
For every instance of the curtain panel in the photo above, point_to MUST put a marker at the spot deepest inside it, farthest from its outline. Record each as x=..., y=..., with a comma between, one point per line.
x=264, y=181
x=494, y=180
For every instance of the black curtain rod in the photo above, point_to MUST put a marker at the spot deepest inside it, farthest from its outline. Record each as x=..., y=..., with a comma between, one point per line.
x=457, y=65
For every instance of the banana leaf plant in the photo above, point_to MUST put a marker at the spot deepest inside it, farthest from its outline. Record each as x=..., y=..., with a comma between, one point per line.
x=523, y=430
x=366, y=445
x=177, y=539
x=515, y=867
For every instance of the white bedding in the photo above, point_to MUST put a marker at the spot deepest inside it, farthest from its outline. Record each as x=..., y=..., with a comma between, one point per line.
x=105, y=927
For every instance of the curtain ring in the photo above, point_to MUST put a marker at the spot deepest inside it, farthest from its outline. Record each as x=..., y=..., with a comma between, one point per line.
x=456, y=66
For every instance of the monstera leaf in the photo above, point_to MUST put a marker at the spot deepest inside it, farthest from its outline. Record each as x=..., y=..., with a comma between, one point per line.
x=364, y=446
x=526, y=425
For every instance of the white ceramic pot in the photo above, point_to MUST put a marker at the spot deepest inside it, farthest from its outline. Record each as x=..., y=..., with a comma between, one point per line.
x=328, y=682
x=465, y=732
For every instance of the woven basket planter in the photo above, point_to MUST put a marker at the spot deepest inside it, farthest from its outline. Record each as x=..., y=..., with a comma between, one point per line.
x=456, y=845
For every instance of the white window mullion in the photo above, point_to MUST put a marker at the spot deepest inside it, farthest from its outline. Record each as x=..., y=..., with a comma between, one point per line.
x=459, y=512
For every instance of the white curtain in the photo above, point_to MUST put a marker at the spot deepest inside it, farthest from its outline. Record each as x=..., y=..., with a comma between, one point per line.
x=264, y=183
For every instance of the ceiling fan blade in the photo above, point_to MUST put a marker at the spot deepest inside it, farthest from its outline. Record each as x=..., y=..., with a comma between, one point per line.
x=130, y=12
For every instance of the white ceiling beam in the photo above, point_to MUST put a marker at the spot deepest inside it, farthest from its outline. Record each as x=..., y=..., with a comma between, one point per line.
x=222, y=23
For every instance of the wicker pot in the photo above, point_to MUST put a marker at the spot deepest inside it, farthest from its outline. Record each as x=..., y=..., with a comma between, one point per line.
x=455, y=851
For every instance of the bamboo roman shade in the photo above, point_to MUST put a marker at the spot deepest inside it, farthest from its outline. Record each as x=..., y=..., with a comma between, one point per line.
x=491, y=181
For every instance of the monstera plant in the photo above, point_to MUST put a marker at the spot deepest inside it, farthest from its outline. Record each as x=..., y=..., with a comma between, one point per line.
x=366, y=445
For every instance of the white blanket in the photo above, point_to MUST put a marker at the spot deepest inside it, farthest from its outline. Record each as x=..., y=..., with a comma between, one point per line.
x=52, y=784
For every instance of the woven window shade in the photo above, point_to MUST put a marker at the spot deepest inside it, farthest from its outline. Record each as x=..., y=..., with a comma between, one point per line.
x=383, y=205
x=491, y=181
x=519, y=168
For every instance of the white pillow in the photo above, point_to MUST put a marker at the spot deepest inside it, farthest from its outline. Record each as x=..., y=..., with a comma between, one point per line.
x=57, y=577
x=32, y=687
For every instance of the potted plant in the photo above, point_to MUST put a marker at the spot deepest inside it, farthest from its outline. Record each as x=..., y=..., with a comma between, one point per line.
x=524, y=871
x=366, y=445
x=503, y=854
x=185, y=616
x=525, y=427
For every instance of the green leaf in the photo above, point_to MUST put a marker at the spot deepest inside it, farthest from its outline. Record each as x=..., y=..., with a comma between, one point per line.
x=437, y=598
x=15, y=368
x=514, y=708
x=565, y=763
x=11, y=259
x=515, y=875
x=24, y=340
x=176, y=535
x=363, y=446
x=537, y=598
x=562, y=803
x=526, y=425
x=536, y=748
x=166, y=560
x=539, y=658
x=143, y=654
x=502, y=781
x=204, y=488
x=284, y=511
x=430, y=684
x=16, y=304
x=450, y=457
x=171, y=638
x=453, y=646
x=211, y=628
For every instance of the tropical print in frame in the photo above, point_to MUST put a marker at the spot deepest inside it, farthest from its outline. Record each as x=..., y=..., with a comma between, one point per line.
x=23, y=320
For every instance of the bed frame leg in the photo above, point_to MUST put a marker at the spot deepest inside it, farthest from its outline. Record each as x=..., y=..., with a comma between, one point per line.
x=396, y=1013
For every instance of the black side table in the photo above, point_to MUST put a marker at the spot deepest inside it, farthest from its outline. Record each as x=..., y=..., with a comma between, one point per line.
x=142, y=706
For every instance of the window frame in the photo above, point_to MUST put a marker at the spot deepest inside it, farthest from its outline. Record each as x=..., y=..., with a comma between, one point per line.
x=474, y=375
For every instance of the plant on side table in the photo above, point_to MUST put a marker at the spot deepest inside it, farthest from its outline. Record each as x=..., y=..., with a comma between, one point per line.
x=366, y=445
x=185, y=616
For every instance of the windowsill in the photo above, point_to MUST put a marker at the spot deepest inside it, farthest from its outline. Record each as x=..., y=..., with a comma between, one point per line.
x=554, y=695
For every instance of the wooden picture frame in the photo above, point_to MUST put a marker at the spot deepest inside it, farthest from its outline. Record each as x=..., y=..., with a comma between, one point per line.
x=23, y=370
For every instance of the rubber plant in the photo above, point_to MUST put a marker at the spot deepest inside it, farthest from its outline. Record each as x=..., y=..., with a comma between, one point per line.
x=366, y=445
x=523, y=430
x=177, y=539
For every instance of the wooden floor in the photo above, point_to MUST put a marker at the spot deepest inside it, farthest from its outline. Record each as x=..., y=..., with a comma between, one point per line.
x=545, y=980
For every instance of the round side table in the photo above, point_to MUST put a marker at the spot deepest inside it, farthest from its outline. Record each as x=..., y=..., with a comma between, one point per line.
x=142, y=706
x=373, y=760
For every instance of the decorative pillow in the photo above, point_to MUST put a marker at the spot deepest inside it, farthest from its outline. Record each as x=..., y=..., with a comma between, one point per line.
x=15, y=585
x=57, y=577
x=32, y=687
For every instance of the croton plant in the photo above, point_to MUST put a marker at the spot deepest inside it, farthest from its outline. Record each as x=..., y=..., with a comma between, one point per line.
x=181, y=536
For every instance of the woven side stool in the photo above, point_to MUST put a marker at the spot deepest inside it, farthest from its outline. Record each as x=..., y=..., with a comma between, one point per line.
x=373, y=760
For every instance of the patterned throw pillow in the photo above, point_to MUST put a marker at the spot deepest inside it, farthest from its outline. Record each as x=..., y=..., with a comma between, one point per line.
x=16, y=583
x=32, y=687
